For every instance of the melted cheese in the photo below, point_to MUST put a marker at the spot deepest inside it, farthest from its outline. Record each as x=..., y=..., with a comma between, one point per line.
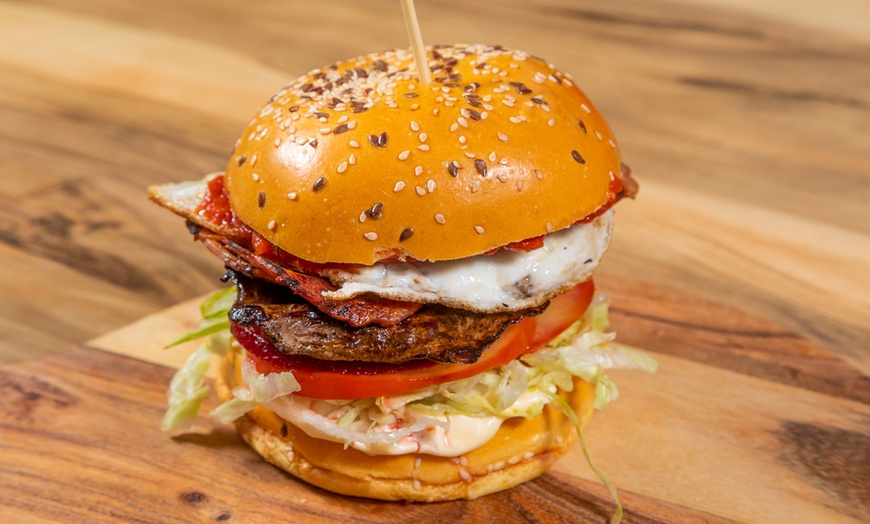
x=505, y=281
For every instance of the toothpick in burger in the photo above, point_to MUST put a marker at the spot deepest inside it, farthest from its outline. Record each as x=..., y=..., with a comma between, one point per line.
x=413, y=315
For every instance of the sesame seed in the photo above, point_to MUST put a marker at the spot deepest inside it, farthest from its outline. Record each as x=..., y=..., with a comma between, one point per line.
x=430, y=185
x=343, y=119
x=418, y=170
x=479, y=229
x=462, y=121
x=292, y=196
x=520, y=185
x=539, y=175
x=435, y=111
x=469, y=154
x=399, y=186
x=454, y=127
x=423, y=147
x=255, y=176
x=253, y=160
x=503, y=137
x=415, y=126
x=549, y=227
x=503, y=161
x=502, y=178
x=351, y=124
x=582, y=125
x=272, y=225
x=440, y=219
x=415, y=107
x=577, y=156
x=515, y=119
x=261, y=199
x=404, y=154
x=362, y=217
x=492, y=157
x=475, y=186
x=277, y=142
x=410, y=95
x=598, y=135
x=371, y=235
x=406, y=234
x=342, y=167
x=352, y=159
x=423, y=137
x=586, y=108
x=354, y=144
x=326, y=130
x=319, y=183
x=421, y=190
x=466, y=476
x=480, y=166
x=611, y=142
x=241, y=159
x=462, y=139
x=551, y=122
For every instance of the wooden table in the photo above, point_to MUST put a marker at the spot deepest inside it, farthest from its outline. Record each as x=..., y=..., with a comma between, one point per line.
x=745, y=122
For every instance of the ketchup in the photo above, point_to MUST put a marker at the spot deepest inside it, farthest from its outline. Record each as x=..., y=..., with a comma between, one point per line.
x=215, y=207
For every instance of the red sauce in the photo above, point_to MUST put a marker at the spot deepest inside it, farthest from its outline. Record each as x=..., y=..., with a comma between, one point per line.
x=269, y=359
x=215, y=207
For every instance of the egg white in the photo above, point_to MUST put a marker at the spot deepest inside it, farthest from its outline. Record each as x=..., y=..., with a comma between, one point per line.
x=505, y=281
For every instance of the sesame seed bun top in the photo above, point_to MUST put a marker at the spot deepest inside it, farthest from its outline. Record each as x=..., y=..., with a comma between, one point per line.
x=359, y=161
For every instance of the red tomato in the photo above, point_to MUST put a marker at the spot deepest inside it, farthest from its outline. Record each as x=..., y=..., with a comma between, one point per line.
x=352, y=380
x=563, y=311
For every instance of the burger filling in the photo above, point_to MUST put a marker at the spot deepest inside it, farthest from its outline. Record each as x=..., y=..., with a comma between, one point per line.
x=400, y=357
x=447, y=418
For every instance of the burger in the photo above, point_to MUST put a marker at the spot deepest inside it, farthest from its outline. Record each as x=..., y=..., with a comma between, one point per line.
x=413, y=315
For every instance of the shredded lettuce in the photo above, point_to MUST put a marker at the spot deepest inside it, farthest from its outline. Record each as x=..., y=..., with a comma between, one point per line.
x=187, y=390
x=521, y=388
x=214, y=312
x=569, y=412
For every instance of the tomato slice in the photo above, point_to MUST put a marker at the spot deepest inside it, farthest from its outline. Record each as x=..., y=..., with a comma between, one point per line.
x=563, y=311
x=324, y=379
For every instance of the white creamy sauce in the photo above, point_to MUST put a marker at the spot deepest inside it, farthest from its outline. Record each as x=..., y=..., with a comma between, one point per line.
x=407, y=430
x=507, y=280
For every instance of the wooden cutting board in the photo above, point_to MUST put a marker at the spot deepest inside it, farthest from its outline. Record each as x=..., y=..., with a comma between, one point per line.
x=744, y=422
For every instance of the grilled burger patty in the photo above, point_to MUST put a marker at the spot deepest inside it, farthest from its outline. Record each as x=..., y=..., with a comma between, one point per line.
x=434, y=332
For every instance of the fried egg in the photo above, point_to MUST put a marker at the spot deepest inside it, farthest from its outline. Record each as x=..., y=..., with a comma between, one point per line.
x=504, y=281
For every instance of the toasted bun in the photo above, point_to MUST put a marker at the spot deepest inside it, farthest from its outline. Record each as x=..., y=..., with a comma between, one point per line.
x=306, y=175
x=520, y=451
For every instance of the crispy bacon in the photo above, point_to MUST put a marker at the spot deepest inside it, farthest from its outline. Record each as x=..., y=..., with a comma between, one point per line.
x=357, y=311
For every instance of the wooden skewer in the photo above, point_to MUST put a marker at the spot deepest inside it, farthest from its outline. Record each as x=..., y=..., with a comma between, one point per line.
x=416, y=41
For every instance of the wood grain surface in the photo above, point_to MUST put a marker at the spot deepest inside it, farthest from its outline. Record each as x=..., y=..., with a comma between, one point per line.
x=746, y=123
x=744, y=263
x=744, y=422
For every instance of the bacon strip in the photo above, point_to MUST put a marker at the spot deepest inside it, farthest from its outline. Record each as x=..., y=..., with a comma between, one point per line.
x=357, y=311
